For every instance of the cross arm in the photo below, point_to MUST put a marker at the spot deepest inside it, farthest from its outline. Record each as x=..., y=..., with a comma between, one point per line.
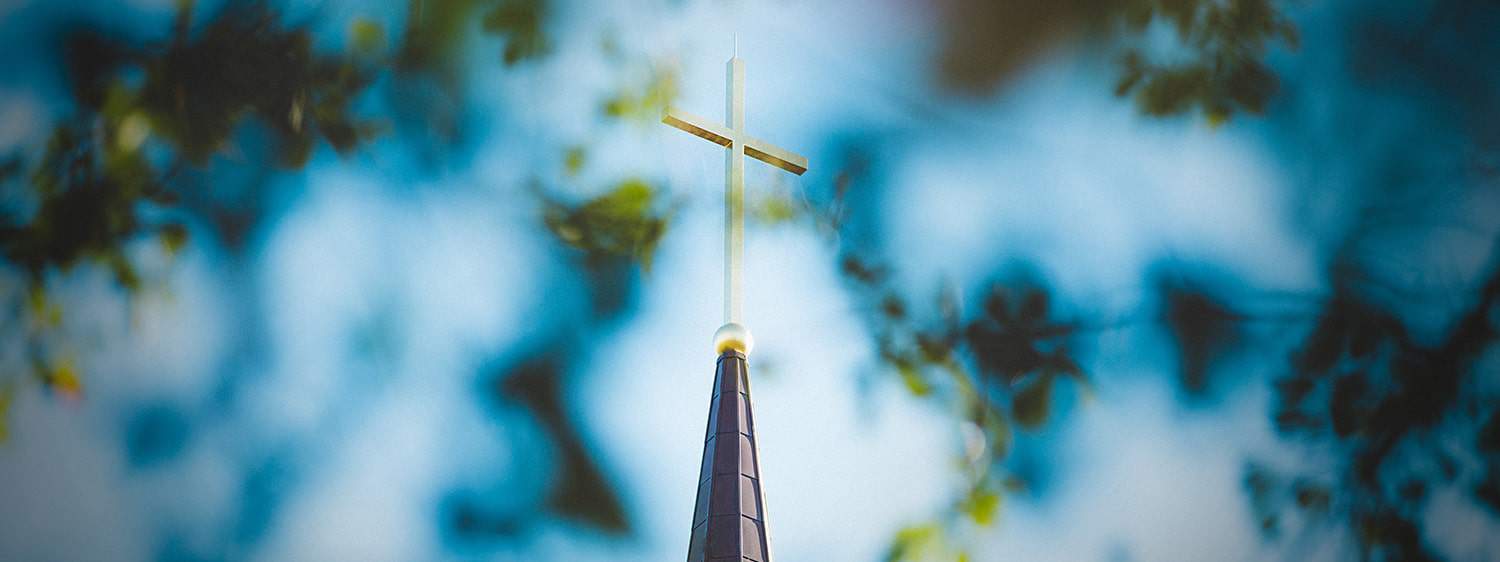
x=714, y=132
x=775, y=156
x=723, y=136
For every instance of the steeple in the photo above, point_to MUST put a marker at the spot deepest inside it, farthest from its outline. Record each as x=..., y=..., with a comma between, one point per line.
x=729, y=517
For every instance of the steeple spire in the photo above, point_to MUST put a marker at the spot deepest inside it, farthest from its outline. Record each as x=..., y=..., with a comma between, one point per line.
x=729, y=519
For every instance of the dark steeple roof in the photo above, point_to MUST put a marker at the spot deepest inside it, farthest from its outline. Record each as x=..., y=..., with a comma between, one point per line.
x=729, y=520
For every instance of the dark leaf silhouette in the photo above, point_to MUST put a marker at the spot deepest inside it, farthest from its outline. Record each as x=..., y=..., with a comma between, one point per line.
x=1361, y=381
x=92, y=60
x=1204, y=329
x=470, y=520
x=1015, y=337
x=1488, y=492
x=246, y=62
x=580, y=490
x=1033, y=402
x=1489, y=435
x=520, y=23
x=85, y=211
x=1217, y=68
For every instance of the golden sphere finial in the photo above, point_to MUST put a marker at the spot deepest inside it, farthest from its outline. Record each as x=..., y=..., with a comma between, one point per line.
x=733, y=336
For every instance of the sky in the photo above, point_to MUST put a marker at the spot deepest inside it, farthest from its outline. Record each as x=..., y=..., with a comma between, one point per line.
x=383, y=295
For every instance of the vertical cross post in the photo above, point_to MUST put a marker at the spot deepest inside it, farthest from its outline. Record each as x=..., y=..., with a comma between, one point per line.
x=734, y=195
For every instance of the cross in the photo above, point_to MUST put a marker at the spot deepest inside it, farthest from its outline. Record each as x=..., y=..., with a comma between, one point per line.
x=740, y=144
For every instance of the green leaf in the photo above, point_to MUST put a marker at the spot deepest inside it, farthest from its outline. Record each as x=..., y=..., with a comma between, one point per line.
x=982, y=505
x=911, y=375
x=173, y=238
x=367, y=37
x=574, y=159
x=124, y=271
x=62, y=378
x=132, y=131
x=915, y=542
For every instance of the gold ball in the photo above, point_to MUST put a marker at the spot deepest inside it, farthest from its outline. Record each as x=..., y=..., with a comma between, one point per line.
x=733, y=336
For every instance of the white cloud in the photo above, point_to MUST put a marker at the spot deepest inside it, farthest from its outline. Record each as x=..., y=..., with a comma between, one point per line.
x=371, y=497
x=384, y=436
x=1092, y=192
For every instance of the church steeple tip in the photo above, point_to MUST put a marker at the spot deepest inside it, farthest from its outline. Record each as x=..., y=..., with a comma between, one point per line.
x=729, y=522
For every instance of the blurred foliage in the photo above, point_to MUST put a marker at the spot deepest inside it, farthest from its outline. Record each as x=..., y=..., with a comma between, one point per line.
x=1362, y=385
x=574, y=159
x=1216, y=65
x=112, y=172
x=437, y=33
x=995, y=368
x=61, y=378
x=645, y=101
x=579, y=490
x=772, y=209
x=943, y=539
x=86, y=196
x=982, y=505
x=1227, y=39
x=1203, y=328
x=195, y=91
x=1405, y=413
x=626, y=221
x=1004, y=358
x=245, y=62
x=920, y=542
x=520, y=23
x=434, y=38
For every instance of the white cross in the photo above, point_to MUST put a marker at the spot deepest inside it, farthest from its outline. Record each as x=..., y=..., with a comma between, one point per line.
x=739, y=144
